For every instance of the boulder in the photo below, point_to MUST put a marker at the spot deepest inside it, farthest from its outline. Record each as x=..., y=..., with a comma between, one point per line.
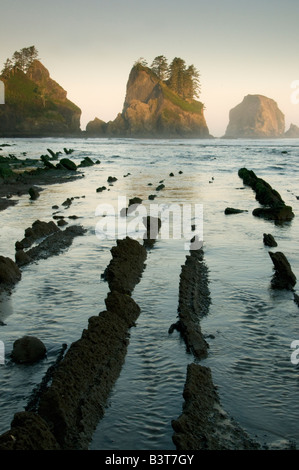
x=68, y=164
x=28, y=350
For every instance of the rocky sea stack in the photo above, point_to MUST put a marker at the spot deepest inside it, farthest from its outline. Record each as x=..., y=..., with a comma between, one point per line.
x=35, y=105
x=256, y=117
x=153, y=109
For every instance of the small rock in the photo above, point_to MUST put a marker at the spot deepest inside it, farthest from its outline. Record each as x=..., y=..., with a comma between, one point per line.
x=86, y=162
x=135, y=200
x=61, y=222
x=67, y=202
x=33, y=193
x=269, y=240
x=161, y=186
x=231, y=210
x=102, y=188
x=111, y=179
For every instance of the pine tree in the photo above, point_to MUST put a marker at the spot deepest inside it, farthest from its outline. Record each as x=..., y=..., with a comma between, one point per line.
x=160, y=67
x=176, y=71
x=21, y=60
x=7, y=68
x=192, y=83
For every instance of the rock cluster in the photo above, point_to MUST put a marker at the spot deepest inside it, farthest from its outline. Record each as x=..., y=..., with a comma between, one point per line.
x=52, y=240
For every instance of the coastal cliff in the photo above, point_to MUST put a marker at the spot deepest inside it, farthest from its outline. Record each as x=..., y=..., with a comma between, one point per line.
x=256, y=117
x=152, y=109
x=35, y=105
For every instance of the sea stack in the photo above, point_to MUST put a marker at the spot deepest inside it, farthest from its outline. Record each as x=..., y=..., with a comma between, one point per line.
x=152, y=109
x=255, y=118
x=36, y=105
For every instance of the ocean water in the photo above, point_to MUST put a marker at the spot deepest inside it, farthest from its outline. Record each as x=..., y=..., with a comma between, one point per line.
x=249, y=326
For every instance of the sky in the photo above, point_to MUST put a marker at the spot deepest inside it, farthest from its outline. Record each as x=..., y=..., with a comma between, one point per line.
x=89, y=47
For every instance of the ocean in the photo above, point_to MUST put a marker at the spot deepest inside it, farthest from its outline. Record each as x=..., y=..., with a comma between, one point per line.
x=249, y=327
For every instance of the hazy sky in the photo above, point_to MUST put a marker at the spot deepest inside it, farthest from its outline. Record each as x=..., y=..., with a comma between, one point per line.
x=240, y=47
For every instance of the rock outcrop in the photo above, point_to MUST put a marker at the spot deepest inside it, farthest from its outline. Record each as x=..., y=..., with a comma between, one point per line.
x=36, y=105
x=152, y=109
x=194, y=302
x=283, y=277
x=256, y=117
x=203, y=424
x=274, y=207
x=292, y=132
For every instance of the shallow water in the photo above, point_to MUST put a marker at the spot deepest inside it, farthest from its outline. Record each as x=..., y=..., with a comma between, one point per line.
x=249, y=326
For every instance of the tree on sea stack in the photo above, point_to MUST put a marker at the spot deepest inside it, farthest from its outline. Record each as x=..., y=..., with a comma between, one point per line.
x=160, y=67
x=20, y=60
